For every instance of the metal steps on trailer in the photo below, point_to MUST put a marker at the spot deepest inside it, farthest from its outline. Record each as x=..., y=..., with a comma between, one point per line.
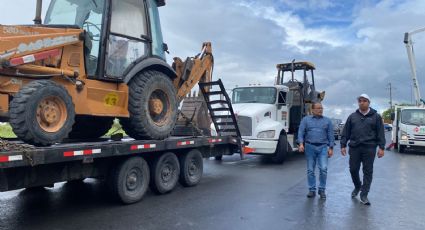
x=221, y=110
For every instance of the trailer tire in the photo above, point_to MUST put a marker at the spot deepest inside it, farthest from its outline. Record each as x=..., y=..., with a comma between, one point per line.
x=165, y=173
x=282, y=150
x=130, y=180
x=191, y=168
x=90, y=127
x=42, y=113
x=152, y=105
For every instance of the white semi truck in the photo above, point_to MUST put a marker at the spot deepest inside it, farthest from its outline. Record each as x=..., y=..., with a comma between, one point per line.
x=269, y=116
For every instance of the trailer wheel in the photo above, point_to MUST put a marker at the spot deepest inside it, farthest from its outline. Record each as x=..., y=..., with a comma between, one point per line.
x=165, y=173
x=191, y=168
x=130, y=180
x=152, y=105
x=89, y=127
x=282, y=151
x=42, y=113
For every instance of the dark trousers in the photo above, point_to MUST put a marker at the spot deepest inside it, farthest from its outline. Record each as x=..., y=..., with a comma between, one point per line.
x=365, y=155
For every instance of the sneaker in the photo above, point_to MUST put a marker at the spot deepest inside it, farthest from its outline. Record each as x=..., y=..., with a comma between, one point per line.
x=311, y=194
x=364, y=200
x=355, y=192
x=322, y=194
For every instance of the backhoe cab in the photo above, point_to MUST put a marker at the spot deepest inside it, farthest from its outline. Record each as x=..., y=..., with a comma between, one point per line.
x=89, y=62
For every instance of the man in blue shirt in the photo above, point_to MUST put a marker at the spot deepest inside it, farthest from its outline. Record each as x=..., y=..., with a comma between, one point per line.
x=316, y=138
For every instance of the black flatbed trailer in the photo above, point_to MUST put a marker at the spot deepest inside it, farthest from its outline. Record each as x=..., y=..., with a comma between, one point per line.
x=129, y=166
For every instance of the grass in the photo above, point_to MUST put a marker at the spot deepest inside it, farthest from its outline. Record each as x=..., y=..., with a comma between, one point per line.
x=6, y=130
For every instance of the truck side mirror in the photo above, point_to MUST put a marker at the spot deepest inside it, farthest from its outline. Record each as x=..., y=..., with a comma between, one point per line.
x=165, y=48
x=392, y=116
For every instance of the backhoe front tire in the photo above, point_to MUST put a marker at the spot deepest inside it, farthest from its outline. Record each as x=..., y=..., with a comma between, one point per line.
x=90, y=127
x=42, y=113
x=152, y=105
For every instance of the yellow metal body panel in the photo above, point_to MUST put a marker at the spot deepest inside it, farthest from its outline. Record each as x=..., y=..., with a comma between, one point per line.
x=94, y=97
x=4, y=103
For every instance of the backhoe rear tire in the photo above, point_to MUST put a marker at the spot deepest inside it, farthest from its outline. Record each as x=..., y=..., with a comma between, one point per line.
x=42, y=113
x=90, y=127
x=152, y=105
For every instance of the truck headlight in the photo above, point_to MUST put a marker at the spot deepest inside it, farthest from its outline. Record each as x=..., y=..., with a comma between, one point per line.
x=266, y=134
x=404, y=135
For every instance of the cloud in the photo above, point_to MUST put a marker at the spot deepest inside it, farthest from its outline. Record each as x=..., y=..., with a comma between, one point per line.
x=362, y=52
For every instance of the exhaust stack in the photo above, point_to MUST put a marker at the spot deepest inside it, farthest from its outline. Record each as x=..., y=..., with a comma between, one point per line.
x=37, y=19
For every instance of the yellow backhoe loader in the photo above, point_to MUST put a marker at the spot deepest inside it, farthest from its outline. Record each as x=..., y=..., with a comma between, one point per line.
x=89, y=62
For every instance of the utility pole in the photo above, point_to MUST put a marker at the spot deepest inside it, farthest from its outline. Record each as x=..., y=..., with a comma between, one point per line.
x=391, y=95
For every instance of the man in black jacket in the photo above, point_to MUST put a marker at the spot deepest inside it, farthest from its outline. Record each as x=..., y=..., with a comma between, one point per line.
x=365, y=131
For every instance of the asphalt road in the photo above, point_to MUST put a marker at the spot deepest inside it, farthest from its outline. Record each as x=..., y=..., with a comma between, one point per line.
x=235, y=194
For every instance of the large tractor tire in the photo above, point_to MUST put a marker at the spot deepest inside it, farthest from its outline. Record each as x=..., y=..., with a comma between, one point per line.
x=152, y=105
x=90, y=127
x=42, y=113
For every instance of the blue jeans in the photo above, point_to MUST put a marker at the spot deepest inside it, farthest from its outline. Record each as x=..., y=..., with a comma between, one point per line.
x=316, y=154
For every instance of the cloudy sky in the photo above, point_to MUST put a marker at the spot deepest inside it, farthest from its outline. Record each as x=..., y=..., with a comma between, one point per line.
x=357, y=46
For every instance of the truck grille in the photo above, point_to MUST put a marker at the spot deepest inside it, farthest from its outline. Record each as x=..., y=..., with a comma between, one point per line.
x=419, y=137
x=245, y=125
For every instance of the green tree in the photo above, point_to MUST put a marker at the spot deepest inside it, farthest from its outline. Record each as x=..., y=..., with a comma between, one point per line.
x=386, y=115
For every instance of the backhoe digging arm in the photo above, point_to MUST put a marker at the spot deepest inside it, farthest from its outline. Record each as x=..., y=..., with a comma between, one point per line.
x=193, y=70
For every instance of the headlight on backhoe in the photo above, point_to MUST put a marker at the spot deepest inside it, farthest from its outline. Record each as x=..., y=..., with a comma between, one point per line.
x=266, y=134
x=404, y=135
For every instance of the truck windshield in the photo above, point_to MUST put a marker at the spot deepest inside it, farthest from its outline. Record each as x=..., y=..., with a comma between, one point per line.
x=75, y=12
x=265, y=95
x=413, y=116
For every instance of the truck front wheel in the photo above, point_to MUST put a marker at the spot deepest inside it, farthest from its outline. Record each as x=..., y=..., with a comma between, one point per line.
x=401, y=148
x=282, y=151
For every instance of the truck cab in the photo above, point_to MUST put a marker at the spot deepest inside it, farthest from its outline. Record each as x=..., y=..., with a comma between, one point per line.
x=268, y=117
x=262, y=114
x=408, y=127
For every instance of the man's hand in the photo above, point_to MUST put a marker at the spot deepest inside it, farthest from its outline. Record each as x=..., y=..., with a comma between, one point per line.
x=330, y=153
x=344, y=151
x=381, y=153
x=301, y=148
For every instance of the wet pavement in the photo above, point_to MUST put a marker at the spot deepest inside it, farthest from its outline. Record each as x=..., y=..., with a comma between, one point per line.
x=235, y=194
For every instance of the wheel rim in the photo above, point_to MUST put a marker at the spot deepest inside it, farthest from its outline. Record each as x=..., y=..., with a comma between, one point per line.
x=51, y=113
x=193, y=168
x=168, y=172
x=133, y=179
x=159, y=107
